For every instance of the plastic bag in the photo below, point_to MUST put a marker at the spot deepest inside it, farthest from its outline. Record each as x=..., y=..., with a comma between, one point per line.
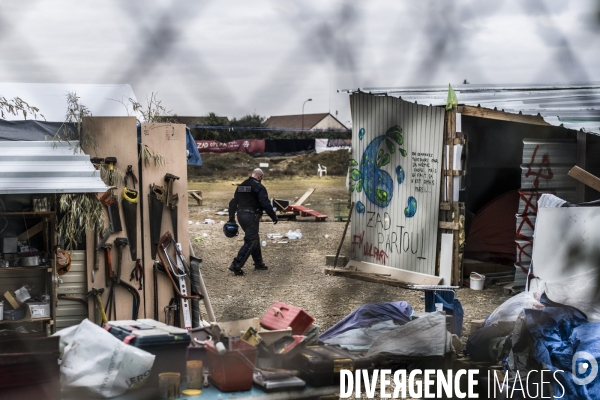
x=99, y=362
x=294, y=235
x=509, y=310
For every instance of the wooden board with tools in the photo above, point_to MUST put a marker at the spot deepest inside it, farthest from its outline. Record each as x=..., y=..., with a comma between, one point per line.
x=116, y=140
x=169, y=141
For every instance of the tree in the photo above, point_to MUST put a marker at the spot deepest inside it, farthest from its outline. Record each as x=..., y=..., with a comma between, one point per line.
x=249, y=120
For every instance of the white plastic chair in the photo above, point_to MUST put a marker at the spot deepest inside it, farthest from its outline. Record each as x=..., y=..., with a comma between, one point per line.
x=321, y=170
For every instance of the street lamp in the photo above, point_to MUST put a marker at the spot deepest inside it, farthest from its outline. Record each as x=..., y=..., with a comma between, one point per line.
x=303, y=116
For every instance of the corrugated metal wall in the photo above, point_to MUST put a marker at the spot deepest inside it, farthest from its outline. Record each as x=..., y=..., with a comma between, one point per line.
x=544, y=170
x=397, y=196
x=74, y=284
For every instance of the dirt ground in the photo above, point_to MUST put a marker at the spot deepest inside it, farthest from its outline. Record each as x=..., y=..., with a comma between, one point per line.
x=295, y=274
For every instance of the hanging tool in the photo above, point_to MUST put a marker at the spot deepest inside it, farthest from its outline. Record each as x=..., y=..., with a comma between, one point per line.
x=107, y=263
x=137, y=273
x=171, y=265
x=135, y=298
x=97, y=161
x=111, y=161
x=107, y=199
x=99, y=308
x=155, y=269
x=96, y=260
x=114, y=204
x=171, y=201
x=120, y=242
x=156, y=201
x=129, y=203
x=185, y=304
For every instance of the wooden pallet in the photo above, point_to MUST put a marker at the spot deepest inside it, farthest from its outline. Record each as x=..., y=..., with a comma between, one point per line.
x=307, y=212
x=196, y=195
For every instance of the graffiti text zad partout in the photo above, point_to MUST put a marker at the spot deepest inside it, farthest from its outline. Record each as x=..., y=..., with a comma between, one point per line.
x=390, y=239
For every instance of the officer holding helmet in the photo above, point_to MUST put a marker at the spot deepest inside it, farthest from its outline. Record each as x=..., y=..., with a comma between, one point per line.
x=250, y=200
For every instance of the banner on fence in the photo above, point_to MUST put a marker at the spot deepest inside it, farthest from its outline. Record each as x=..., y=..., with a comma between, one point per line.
x=235, y=146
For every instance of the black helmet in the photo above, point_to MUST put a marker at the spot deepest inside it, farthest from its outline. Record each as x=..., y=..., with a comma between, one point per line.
x=230, y=229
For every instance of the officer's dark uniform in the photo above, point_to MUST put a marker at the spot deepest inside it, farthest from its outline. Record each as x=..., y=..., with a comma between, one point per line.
x=249, y=200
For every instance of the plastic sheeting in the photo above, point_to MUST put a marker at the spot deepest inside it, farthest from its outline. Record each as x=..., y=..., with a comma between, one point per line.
x=361, y=339
x=509, y=310
x=423, y=337
x=31, y=130
x=369, y=314
x=559, y=332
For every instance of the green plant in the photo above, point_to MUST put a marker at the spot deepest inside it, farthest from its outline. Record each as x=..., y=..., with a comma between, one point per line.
x=153, y=111
x=16, y=106
x=149, y=156
x=82, y=211
x=76, y=112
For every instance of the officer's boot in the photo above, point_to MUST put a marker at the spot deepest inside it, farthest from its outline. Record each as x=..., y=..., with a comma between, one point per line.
x=260, y=266
x=235, y=268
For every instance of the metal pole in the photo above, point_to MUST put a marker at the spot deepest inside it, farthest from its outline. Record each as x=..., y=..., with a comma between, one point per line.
x=303, y=116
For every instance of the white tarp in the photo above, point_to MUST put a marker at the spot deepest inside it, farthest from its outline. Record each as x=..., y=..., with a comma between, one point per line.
x=566, y=257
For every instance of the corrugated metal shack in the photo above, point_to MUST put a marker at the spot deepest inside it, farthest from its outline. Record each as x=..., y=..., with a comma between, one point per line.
x=499, y=138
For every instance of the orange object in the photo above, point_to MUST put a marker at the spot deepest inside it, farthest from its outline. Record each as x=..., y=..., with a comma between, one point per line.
x=233, y=370
x=63, y=261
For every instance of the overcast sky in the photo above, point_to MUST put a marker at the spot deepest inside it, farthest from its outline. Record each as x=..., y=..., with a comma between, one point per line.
x=267, y=57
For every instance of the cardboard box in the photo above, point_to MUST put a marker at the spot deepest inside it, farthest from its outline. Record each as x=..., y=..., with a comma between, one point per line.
x=38, y=310
x=10, y=297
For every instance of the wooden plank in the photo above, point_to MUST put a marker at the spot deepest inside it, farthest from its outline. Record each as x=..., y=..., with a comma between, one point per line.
x=445, y=206
x=197, y=195
x=402, y=275
x=585, y=177
x=34, y=230
x=367, y=277
x=482, y=112
x=453, y=226
x=454, y=172
x=169, y=141
x=305, y=196
x=116, y=137
x=581, y=163
x=456, y=267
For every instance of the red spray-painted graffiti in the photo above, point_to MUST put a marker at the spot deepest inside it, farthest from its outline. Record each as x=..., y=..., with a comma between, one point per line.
x=368, y=249
x=378, y=254
x=544, y=171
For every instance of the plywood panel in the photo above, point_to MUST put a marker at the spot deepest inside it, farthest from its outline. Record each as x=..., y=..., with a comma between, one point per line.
x=384, y=230
x=116, y=137
x=169, y=141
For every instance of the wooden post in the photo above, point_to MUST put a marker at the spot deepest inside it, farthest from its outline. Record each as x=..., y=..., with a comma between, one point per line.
x=343, y=235
x=581, y=163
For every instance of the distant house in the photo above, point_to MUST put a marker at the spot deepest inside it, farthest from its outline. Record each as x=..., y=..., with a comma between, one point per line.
x=312, y=122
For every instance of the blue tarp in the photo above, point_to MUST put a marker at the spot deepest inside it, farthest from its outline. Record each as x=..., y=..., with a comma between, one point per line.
x=559, y=332
x=369, y=314
x=451, y=305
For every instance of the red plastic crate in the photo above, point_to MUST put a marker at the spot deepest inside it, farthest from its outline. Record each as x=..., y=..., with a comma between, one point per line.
x=281, y=315
x=232, y=371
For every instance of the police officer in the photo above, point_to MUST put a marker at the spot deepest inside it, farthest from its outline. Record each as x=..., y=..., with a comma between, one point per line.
x=250, y=200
